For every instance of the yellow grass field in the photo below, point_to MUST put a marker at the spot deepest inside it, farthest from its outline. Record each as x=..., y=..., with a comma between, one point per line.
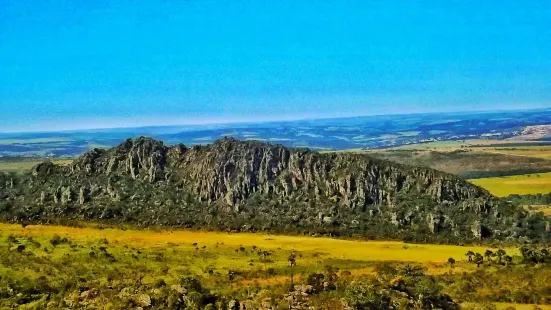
x=517, y=184
x=194, y=252
x=150, y=255
x=329, y=247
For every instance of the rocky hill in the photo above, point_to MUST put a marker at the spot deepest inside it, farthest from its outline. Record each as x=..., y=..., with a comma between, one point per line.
x=243, y=185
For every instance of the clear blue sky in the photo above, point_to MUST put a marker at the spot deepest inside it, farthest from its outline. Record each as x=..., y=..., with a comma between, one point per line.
x=69, y=64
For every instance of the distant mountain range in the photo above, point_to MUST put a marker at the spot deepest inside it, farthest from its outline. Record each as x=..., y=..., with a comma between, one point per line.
x=251, y=186
x=319, y=134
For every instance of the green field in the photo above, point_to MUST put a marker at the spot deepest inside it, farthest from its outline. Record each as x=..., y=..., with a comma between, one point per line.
x=517, y=184
x=34, y=140
x=25, y=164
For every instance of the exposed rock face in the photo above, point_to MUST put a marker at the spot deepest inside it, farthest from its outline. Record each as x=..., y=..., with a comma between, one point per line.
x=66, y=195
x=233, y=170
x=144, y=158
x=262, y=185
x=82, y=195
x=230, y=171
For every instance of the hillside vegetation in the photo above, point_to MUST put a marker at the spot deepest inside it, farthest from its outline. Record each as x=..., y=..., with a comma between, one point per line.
x=250, y=186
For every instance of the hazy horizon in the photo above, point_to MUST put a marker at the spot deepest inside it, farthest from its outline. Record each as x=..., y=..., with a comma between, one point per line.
x=92, y=125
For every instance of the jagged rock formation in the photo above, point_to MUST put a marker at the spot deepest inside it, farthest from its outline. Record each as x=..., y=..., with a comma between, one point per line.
x=240, y=185
x=231, y=171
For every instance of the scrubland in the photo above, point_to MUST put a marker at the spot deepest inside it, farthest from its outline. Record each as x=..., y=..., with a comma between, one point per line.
x=113, y=268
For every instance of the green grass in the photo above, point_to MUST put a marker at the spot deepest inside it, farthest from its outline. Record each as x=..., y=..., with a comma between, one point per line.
x=25, y=164
x=34, y=140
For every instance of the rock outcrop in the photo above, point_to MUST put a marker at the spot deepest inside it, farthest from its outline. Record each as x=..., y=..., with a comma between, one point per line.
x=231, y=171
x=248, y=185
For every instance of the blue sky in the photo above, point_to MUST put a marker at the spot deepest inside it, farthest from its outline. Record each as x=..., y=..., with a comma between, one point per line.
x=78, y=64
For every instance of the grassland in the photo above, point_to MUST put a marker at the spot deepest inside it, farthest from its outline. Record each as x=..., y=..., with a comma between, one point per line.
x=527, y=151
x=482, y=144
x=517, y=184
x=112, y=260
x=448, y=144
x=34, y=140
x=25, y=164
x=325, y=248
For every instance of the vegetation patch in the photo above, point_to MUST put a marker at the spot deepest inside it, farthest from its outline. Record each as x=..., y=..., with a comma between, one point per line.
x=67, y=267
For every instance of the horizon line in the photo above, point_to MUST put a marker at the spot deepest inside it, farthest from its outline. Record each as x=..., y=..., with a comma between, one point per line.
x=291, y=119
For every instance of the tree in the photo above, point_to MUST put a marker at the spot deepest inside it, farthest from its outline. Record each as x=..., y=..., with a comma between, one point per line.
x=231, y=276
x=316, y=280
x=508, y=260
x=544, y=254
x=11, y=239
x=292, y=263
x=478, y=259
x=265, y=260
x=530, y=255
x=451, y=261
x=470, y=255
x=20, y=248
x=500, y=253
x=488, y=254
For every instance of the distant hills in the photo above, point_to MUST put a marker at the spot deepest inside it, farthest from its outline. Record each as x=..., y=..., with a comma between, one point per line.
x=252, y=186
x=319, y=134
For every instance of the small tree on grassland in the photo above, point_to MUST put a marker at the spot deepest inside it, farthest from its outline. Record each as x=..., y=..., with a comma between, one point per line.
x=451, y=262
x=292, y=263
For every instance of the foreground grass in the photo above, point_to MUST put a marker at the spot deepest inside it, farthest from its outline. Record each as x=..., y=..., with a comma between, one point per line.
x=113, y=263
x=517, y=184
